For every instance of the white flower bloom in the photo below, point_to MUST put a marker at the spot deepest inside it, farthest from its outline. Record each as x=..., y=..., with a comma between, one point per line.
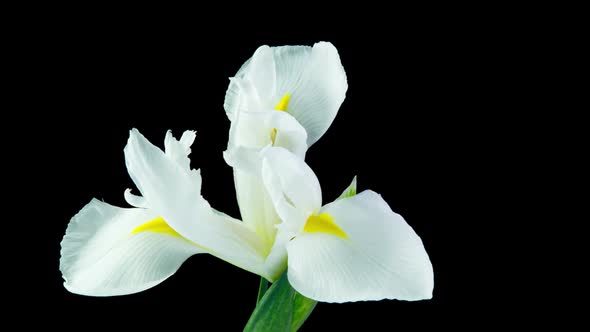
x=280, y=102
x=352, y=249
x=285, y=97
x=114, y=251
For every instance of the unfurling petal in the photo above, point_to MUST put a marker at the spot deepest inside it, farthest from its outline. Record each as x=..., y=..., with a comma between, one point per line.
x=101, y=254
x=380, y=256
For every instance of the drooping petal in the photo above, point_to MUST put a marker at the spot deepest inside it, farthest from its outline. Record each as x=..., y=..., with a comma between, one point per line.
x=174, y=192
x=293, y=187
x=379, y=256
x=101, y=256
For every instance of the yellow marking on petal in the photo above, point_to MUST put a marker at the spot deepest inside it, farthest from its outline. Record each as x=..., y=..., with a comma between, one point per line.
x=284, y=103
x=273, y=135
x=323, y=223
x=157, y=225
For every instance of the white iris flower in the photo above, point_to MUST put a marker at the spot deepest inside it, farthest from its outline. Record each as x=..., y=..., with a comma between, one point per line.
x=280, y=102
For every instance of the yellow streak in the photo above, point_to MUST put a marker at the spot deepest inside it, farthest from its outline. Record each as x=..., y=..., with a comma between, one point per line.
x=323, y=223
x=273, y=135
x=157, y=225
x=284, y=103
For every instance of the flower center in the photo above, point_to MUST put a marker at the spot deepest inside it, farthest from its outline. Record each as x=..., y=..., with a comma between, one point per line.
x=323, y=223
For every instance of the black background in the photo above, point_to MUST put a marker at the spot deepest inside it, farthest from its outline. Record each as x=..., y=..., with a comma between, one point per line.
x=421, y=100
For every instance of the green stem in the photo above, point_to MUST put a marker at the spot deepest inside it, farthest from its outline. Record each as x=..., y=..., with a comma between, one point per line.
x=262, y=289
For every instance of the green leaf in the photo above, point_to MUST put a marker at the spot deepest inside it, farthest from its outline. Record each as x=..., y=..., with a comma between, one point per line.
x=302, y=308
x=262, y=289
x=281, y=309
x=275, y=311
x=350, y=191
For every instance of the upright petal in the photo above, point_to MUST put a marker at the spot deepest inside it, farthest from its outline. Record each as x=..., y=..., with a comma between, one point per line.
x=102, y=256
x=174, y=191
x=379, y=256
x=319, y=92
x=256, y=208
x=249, y=133
x=313, y=78
x=293, y=187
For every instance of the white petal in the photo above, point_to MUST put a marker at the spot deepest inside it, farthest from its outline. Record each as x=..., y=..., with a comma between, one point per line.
x=320, y=90
x=187, y=139
x=241, y=95
x=256, y=208
x=178, y=150
x=261, y=70
x=249, y=130
x=101, y=257
x=313, y=77
x=293, y=187
x=290, y=62
x=135, y=200
x=252, y=131
x=249, y=133
x=174, y=192
x=259, y=214
x=276, y=261
x=256, y=76
x=289, y=133
x=383, y=258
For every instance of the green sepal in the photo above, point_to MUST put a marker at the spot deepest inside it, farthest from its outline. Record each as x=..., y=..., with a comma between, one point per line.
x=349, y=191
